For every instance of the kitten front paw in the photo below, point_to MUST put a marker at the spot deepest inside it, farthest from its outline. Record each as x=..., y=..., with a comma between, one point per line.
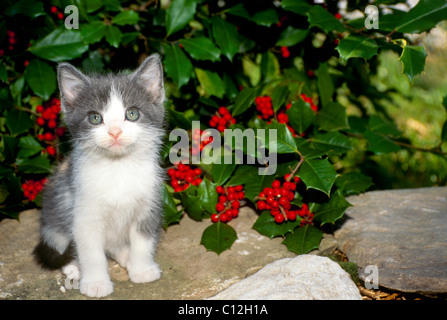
x=148, y=274
x=97, y=289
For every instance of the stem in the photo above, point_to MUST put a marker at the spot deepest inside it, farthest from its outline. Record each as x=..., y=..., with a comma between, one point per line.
x=294, y=171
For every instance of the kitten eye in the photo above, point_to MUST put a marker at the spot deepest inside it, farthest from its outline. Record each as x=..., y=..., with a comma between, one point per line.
x=94, y=118
x=132, y=114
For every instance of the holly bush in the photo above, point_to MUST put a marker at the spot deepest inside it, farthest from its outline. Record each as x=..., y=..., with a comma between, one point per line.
x=290, y=67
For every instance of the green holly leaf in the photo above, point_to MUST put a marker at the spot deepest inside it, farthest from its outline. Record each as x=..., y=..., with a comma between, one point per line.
x=332, y=210
x=413, y=61
x=303, y=239
x=226, y=36
x=126, y=17
x=18, y=121
x=29, y=8
x=266, y=225
x=279, y=96
x=332, y=142
x=201, y=48
x=39, y=164
x=177, y=65
x=325, y=84
x=300, y=115
x=211, y=82
x=192, y=203
x=170, y=214
x=354, y=46
x=243, y=101
x=208, y=195
x=424, y=16
x=332, y=117
x=300, y=7
x=113, y=36
x=317, y=174
x=285, y=142
x=379, y=143
x=28, y=146
x=353, y=183
x=41, y=78
x=179, y=13
x=93, y=32
x=221, y=172
x=320, y=17
x=218, y=237
x=291, y=36
x=60, y=45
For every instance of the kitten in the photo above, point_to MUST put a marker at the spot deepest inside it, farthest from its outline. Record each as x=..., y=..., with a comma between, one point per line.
x=104, y=199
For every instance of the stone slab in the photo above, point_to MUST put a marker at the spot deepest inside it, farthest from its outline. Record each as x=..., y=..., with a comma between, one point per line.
x=401, y=232
x=189, y=271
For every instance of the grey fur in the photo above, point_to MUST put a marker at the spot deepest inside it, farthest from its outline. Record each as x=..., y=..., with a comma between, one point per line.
x=142, y=89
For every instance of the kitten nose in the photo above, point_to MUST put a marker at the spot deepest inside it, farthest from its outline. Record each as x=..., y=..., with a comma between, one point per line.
x=115, y=132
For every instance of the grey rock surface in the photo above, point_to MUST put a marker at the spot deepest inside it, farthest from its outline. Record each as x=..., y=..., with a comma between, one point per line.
x=189, y=271
x=305, y=277
x=401, y=232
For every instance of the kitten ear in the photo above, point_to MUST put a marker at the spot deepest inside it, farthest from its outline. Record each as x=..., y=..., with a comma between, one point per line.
x=150, y=76
x=70, y=81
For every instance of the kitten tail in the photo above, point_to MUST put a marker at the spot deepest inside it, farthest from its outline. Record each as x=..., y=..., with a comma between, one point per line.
x=49, y=258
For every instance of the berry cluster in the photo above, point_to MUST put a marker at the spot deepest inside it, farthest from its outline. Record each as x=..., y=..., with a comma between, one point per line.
x=309, y=100
x=306, y=216
x=285, y=52
x=47, y=119
x=182, y=176
x=32, y=188
x=197, y=136
x=277, y=199
x=49, y=113
x=222, y=119
x=54, y=10
x=265, y=107
x=228, y=206
x=12, y=40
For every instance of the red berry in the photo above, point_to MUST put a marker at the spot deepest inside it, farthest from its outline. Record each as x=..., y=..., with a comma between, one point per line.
x=222, y=111
x=39, y=109
x=52, y=124
x=276, y=184
x=220, y=207
x=214, y=217
x=220, y=189
x=40, y=121
x=284, y=202
x=279, y=218
x=223, y=217
x=291, y=215
x=51, y=150
x=338, y=15
x=261, y=205
x=222, y=199
x=53, y=9
x=60, y=16
x=235, y=204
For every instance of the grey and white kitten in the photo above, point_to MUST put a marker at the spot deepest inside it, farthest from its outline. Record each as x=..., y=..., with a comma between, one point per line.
x=105, y=200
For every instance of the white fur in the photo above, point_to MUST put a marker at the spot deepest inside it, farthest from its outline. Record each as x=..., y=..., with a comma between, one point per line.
x=114, y=192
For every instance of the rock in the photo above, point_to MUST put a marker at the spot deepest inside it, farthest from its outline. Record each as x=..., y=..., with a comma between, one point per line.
x=401, y=233
x=301, y=278
x=189, y=271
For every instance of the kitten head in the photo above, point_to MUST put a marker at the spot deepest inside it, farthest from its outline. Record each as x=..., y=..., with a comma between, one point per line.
x=114, y=114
